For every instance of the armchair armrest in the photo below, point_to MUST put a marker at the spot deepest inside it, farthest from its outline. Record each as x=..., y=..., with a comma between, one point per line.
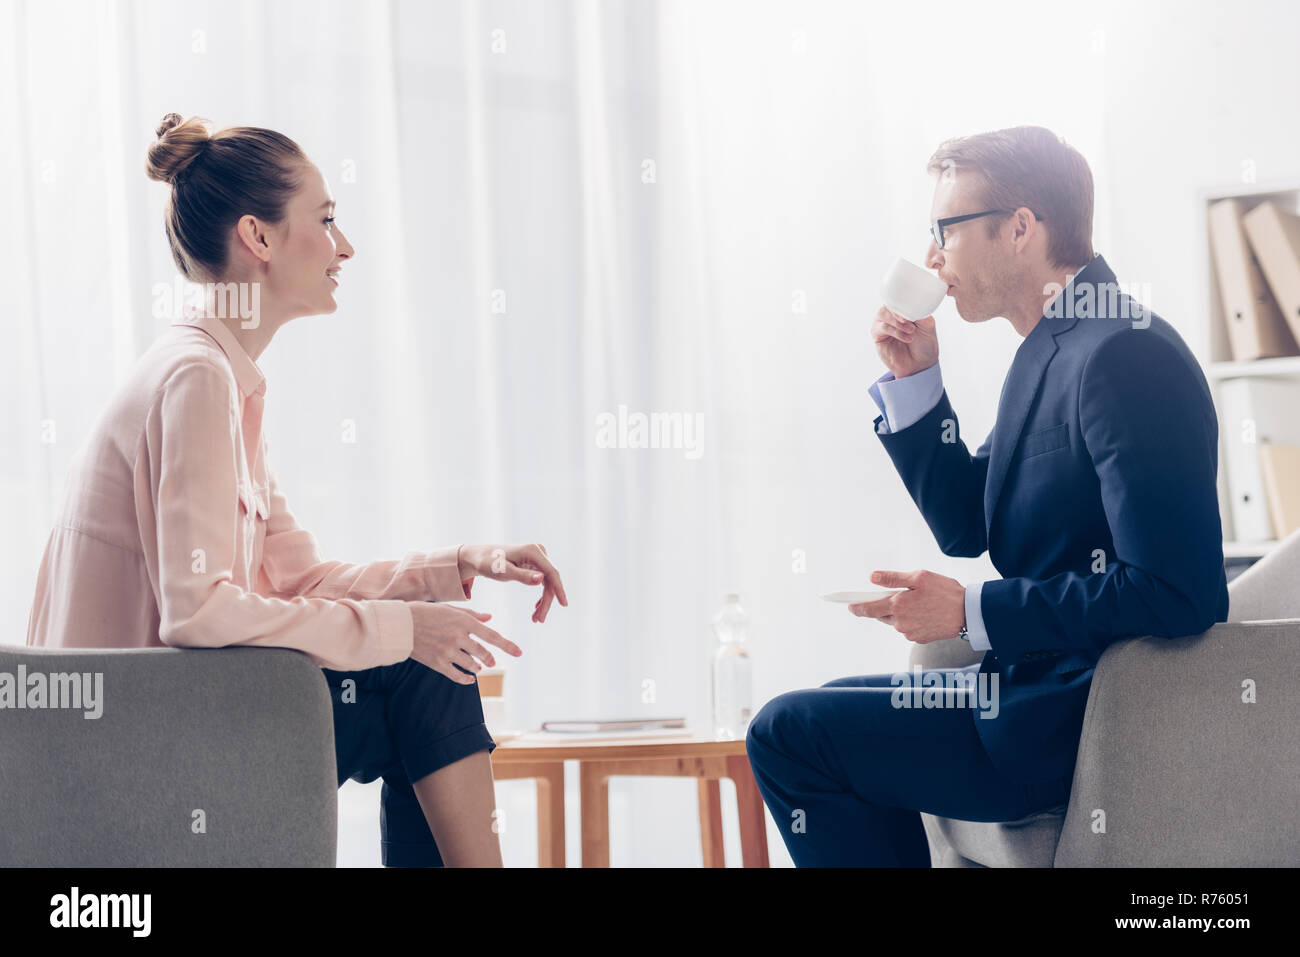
x=212, y=757
x=1267, y=589
x=1180, y=769
x=945, y=653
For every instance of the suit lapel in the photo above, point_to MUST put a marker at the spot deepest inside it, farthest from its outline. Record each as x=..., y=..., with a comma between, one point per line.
x=1024, y=380
x=1022, y=384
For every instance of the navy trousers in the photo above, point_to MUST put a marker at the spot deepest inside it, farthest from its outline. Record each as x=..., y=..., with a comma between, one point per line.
x=845, y=772
x=402, y=722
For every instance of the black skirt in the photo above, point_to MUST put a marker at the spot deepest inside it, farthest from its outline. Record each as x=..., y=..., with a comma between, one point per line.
x=402, y=722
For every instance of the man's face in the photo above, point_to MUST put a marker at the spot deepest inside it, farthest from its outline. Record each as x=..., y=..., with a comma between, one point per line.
x=974, y=266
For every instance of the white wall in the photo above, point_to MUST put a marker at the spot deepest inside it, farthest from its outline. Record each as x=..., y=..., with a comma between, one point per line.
x=1198, y=97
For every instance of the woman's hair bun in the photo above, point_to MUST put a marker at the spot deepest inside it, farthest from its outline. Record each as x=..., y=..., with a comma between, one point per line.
x=169, y=121
x=179, y=143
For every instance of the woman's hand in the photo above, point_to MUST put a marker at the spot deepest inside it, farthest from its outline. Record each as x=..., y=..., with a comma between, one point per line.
x=515, y=563
x=445, y=637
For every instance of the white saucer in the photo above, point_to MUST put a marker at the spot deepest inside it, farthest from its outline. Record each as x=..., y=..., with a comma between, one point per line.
x=854, y=597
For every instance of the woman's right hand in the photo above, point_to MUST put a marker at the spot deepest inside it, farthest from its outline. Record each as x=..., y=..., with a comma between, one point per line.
x=445, y=637
x=905, y=347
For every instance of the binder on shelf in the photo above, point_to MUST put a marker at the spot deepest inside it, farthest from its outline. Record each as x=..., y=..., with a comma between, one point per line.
x=1256, y=326
x=1274, y=236
x=1254, y=413
x=1280, y=465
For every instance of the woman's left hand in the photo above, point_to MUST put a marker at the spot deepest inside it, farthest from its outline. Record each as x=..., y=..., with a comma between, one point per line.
x=515, y=563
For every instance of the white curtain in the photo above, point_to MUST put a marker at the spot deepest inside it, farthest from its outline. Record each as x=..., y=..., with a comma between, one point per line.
x=559, y=209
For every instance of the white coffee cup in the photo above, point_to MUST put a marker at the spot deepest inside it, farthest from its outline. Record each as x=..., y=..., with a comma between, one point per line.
x=911, y=291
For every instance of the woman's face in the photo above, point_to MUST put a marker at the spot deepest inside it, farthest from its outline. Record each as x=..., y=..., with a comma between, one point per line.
x=308, y=251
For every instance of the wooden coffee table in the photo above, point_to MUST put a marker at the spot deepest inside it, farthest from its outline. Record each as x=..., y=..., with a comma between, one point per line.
x=706, y=759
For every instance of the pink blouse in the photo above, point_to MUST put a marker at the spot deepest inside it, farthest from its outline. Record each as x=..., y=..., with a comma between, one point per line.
x=174, y=532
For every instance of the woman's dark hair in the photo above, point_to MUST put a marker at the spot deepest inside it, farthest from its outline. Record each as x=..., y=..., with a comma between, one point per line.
x=217, y=178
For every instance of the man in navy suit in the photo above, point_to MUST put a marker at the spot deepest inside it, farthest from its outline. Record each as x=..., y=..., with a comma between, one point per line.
x=1095, y=496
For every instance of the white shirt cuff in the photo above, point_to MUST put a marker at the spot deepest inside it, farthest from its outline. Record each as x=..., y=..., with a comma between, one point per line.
x=905, y=401
x=979, y=638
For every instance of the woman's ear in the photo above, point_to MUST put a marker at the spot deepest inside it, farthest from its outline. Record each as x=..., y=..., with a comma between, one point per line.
x=252, y=235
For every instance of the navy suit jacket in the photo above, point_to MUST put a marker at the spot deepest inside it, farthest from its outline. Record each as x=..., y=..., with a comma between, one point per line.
x=1095, y=496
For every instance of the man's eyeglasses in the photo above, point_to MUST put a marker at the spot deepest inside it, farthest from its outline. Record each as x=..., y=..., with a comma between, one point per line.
x=937, y=227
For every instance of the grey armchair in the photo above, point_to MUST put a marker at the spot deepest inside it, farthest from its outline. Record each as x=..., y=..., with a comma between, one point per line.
x=1184, y=771
x=221, y=757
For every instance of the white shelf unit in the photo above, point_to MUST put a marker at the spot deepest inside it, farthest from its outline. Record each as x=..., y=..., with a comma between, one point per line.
x=1220, y=364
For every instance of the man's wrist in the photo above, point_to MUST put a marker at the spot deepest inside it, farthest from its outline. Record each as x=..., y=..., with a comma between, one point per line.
x=908, y=375
x=961, y=606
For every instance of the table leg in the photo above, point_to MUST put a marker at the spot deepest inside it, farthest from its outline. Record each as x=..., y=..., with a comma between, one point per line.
x=550, y=816
x=749, y=805
x=711, y=843
x=549, y=776
x=593, y=784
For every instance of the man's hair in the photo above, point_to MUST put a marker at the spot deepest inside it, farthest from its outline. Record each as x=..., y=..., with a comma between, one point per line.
x=1029, y=166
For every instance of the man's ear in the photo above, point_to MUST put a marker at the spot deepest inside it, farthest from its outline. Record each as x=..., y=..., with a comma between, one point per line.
x=1023, y=223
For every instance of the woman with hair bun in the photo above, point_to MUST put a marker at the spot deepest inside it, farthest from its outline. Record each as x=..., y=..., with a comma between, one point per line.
x=174, y=531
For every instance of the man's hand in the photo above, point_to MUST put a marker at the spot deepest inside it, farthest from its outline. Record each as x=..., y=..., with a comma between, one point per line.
x=905, y=347
x=932, y=608
x=515, y=563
